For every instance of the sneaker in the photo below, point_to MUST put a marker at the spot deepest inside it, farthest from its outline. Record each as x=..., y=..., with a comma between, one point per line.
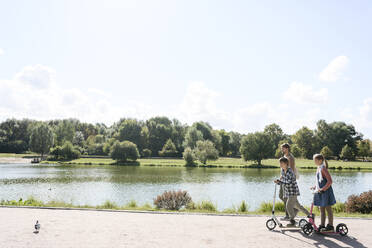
x=320, y=228
x=292, y=223
x=311, y=216
x=328, y=228
x=285, y=218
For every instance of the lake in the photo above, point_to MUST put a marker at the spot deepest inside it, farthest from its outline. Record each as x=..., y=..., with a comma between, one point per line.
x=93, y=185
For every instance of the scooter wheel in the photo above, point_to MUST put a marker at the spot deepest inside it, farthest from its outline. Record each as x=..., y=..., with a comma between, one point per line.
x=342, y=229
x=308, y=229
x=302, y=223
x=271, y=224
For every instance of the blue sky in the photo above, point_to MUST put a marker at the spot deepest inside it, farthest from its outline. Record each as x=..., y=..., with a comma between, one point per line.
x=237, y=64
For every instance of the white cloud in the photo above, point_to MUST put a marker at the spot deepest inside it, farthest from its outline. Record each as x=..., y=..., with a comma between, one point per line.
x=334, y=69
x=1, y=51
x=304, y=94
x=34, y=93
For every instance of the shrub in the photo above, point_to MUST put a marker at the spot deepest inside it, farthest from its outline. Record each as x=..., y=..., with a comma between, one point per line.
x=360, y=203
x=189, y=156
x=132, y=204
x=65, y=152
x=206, y=206
x=326, y=152
x=243, y=207
x=268, y=207
x=169, y=149
x=339, y=207
x=146, y=153
x=123, y=151
x=108, y=205
x=172, y=200
x=347, y=153
x=205, y=150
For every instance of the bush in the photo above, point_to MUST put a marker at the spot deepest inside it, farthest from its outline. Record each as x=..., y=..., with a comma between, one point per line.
x=243, y=207
x=65, y=152
x=268, y=207
x=169, y=149
x=132, y=204
x=189, y=156
x=205, y=150
x=347, y=153
x=339, y=207
x=108, y=205
x=146, y=153
x=172, y=200
x=123, y=151
x=360, y=203
x=326, y=152
x=206, y=206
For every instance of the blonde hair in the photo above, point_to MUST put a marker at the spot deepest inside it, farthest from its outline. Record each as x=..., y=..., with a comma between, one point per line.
x=319, y=156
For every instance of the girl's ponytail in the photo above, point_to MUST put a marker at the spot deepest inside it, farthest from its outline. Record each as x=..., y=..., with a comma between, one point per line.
x=326, y=163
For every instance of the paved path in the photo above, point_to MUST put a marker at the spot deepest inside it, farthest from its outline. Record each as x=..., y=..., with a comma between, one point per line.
x=76, y=228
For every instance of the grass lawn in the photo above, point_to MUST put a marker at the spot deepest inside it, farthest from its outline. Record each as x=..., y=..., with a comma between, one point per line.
x=16, y=155
x=223, y=162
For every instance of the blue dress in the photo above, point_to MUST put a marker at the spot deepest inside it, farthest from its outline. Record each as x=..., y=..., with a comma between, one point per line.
x=327, y=198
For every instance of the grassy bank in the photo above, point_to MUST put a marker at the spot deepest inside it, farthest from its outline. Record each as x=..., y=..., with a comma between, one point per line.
x=223, y=163
x=199, y=207
x=18, y=155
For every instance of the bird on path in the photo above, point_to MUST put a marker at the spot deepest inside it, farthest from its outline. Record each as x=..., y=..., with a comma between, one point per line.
x=37, y=227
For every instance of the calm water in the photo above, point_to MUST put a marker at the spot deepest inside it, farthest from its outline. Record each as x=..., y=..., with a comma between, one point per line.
x=94, y=185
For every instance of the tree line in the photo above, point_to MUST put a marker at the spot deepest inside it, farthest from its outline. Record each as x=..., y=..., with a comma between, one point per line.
x=163, y=137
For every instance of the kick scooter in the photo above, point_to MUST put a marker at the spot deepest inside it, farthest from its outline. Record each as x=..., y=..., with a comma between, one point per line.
x=310, y=226
x=274, y=221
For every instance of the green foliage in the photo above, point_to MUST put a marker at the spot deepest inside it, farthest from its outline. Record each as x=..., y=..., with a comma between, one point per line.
x=108, y=205
x=66, y=152
x=268, y=207
x=146, y=153
x=305, y=139
x=296, y=151
x=41, y=139
x=243, y=207
x=202, y=206
x=326, y=152
x=123, y=151
x=189, y=156
x=347, y=153
x=339, y=207
x=205, y=151
x=364, y=148
x=276, y=135
x=65, y=131
x=336, y=135
x=234, y=143
x=131, y=130
x=159, y=131
x=132, y=204
x=256, y=146
x=169, y=149
x=192, y=136
x=225, y=142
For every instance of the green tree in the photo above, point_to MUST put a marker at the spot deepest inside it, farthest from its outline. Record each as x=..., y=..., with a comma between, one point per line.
x=306, y=141
x=364, y=148
x=41, y=139
x=276, y=134
x=225, y=142
x=69, y=152
x=78, y=139
x=193, y=135
x=65, y=131
x=124, y=151
x=169, y=149
x=130, y=129
x=296, y=151
x=159, y=131
x=256, y=146
x=326, y=152
x=234, y=143
x=336, y=135
x=347, y=153
x=205, y=150
x=189, y=156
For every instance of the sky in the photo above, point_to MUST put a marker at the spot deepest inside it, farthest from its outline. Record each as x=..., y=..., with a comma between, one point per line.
x=239, y=65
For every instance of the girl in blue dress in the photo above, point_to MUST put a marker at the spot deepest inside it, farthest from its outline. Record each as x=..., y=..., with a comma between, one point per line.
x=324, y=198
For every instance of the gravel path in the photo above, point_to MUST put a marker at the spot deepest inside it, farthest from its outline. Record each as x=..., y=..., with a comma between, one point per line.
x=77, y=228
